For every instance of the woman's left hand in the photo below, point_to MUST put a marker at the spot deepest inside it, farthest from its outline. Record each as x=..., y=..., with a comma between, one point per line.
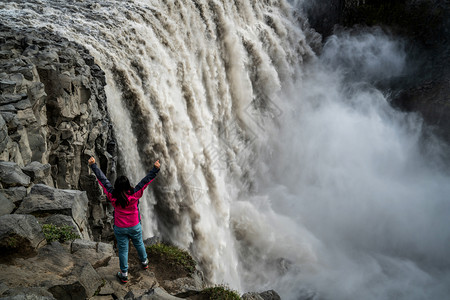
x=91, y=161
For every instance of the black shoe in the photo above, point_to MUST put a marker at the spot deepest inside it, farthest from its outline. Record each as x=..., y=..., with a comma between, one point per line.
x=122, y=278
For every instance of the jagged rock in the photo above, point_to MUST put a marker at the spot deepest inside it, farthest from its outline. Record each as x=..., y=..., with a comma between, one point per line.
x=267, y=295
x=47, y=200
x=185, y=284
x=97, y=253
x=11, y=175
x=15, y=194
x=157, y=293
x=270, y=295
x=20, y=234
x=39, y=173
x=6, y=205
x=106, y=289
x=88, y=278
x=251, y=296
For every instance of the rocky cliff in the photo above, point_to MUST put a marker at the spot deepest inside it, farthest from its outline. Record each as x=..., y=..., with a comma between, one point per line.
x=52, y=106
x=53, y=116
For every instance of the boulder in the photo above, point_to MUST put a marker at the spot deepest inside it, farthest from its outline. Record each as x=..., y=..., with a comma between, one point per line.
x=6, y=205
x=270, y=295
x=44, y=200
x=88, y=278
x=96, y=253
x=82, y=282
x=267, y=295
x=11, y=175
x=184, y=284
x=20, y=234
x=39, y=173
x=251, y=296
x=15, y=194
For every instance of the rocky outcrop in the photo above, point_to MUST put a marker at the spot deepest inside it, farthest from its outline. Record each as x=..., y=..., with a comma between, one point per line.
x=267, y=295
x=44, y=200
x=52, y=105
x=38, y=173
x=20, y=234
x=11, y=175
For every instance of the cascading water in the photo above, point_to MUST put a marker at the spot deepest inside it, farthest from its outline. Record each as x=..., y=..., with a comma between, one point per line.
x=280, y=169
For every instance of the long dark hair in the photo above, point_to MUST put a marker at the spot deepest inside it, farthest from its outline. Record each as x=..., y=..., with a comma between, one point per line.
x=122, y=187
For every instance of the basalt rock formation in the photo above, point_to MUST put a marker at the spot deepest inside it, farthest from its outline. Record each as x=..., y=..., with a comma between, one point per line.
x=52, y=105
x=53, y=116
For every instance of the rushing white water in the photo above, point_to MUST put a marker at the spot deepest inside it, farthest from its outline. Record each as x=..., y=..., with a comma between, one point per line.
x=280, y=169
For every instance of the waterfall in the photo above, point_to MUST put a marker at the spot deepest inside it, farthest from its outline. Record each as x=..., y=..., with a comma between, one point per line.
x=280, y=169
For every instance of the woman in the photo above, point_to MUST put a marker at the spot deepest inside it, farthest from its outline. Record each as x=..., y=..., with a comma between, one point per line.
x=127, y=221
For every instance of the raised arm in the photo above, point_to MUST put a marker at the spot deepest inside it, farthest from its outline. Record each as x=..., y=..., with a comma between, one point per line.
x=142, y=185
x=104, y=182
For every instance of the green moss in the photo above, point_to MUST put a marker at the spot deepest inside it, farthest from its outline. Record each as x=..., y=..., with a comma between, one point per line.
x=220, y=292
x=59, y=233
x=172, y=255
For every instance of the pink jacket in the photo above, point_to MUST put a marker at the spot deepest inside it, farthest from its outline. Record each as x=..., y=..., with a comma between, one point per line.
x=128, y=216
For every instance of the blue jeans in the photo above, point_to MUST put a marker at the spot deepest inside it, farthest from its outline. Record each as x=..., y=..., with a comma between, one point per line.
x=123, y=236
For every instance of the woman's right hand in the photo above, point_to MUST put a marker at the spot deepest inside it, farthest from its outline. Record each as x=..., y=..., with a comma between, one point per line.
x=157, y=165
x=91, y=161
